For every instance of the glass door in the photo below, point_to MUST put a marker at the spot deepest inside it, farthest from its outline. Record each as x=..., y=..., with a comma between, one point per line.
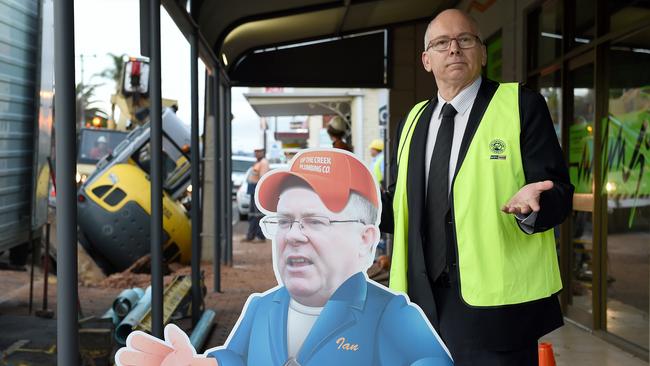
x=626, y=167
x=581, y=105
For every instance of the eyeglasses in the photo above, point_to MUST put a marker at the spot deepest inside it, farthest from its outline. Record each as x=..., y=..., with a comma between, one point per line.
x=308, y=225
x=464, y=40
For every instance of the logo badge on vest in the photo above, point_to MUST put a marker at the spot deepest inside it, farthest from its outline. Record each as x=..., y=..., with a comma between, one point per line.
x=498, y=148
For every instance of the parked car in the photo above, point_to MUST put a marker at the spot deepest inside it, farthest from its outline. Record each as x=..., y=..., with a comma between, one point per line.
x=240, y=166
x=242, y=197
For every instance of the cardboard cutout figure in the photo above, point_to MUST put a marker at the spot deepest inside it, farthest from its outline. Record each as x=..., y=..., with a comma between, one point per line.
x=322, y=215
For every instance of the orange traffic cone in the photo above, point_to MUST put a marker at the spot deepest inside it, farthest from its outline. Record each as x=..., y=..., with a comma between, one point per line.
x=546, y=357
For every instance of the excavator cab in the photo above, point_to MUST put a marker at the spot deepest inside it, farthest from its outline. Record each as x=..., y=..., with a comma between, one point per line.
x=114, y=204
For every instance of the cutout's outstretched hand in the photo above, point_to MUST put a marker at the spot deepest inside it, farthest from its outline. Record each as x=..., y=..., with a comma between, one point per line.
x=143, y=349
x=527, y=199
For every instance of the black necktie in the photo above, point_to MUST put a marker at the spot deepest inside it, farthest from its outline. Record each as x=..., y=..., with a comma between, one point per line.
x=437, y=204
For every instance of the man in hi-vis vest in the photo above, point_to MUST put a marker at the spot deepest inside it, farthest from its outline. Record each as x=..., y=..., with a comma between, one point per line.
x=478, y=182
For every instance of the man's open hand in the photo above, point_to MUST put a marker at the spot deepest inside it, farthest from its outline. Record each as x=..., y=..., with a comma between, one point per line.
x=143, y=349
x=527, y=199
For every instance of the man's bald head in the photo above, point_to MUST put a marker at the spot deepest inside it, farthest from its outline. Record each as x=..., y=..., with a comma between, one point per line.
x=452, y=15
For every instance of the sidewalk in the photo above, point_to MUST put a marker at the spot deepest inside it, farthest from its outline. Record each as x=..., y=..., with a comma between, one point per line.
x=573, y=346
x=252, y=272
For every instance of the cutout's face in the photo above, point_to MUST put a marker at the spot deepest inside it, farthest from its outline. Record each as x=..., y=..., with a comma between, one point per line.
x=313, y=263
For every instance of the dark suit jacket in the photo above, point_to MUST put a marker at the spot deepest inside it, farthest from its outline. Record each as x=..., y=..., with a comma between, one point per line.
x=507, y=326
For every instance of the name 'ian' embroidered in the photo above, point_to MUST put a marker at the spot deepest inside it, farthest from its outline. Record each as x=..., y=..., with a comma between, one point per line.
x=346, y=346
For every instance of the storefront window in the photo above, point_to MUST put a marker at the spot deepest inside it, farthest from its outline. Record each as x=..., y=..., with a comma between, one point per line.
x=581, y=130
x=626, y=164
x=494, y=57
x=621, y=237
x=551, y=89
x=584, y=25
x=546, y=33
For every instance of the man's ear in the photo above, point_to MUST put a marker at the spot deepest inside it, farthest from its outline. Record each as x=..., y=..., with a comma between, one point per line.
x=483, y=55
x=369, y=239
x=426, y=61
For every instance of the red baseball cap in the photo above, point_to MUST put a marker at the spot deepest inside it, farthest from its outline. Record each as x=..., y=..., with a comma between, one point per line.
x=331, y=173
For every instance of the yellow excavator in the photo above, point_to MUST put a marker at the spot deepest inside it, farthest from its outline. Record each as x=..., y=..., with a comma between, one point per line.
x=114, y=208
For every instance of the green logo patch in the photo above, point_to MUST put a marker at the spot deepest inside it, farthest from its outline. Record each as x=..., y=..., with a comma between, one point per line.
x=497, y=146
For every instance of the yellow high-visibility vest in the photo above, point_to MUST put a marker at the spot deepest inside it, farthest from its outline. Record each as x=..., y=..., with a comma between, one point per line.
x=377, y=166
x=498, y=263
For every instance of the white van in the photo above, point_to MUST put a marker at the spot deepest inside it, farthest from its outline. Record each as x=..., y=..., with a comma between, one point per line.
x=240, y=165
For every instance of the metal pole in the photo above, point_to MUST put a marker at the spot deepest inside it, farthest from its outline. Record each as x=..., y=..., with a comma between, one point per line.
x=82, y=111
x=46, y=265
x=67, y=337
x=225, y=196
x=217, y=217
x=156, y=173
x=31, y=272
x=227, y=180
x=196, y=201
